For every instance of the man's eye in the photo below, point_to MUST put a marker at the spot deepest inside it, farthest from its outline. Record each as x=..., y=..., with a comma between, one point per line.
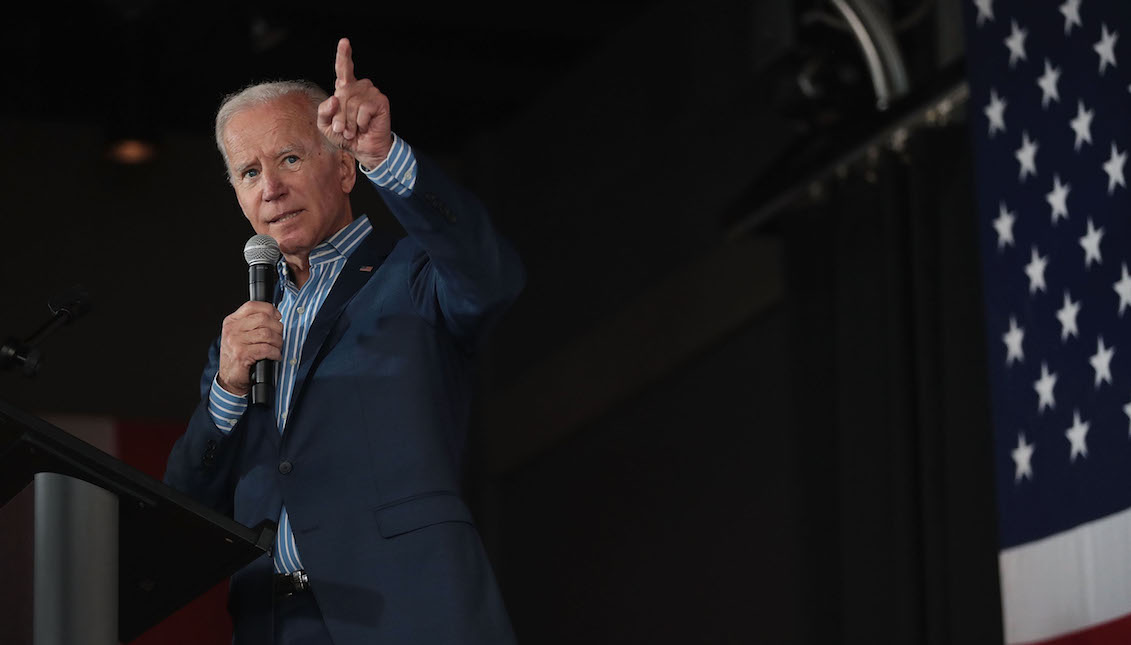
x=250, y=173
x=291, y=159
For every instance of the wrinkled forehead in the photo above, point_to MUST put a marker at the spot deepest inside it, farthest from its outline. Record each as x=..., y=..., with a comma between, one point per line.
x=288, y=120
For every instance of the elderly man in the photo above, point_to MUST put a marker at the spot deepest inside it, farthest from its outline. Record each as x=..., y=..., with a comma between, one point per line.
x=358, y=457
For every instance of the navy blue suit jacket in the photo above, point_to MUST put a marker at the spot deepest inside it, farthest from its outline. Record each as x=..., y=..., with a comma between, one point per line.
x=374, y=438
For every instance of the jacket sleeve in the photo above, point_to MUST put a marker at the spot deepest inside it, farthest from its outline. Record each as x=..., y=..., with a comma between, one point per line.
x=467, y=274
x=202, y=462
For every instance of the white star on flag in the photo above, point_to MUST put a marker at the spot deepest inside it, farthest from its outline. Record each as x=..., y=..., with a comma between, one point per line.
x=1004, y=226
x=995, y=113
x=1123, y=288
x=1036, y=271
x=1081, y=125
x=1016, y=43
x=1114, y=169
x=1012, y=340
x=1101, y=362
x=1067, y=317
x=1105, y=48
x=1027, y=156
x=1047, y=83
x=985, y=10
x=1127, y=411
x=1091, y=244
x=1044, y=387
x=1022, y=458
x=1071, y=11
x=1076, y=435
x=1058, y=199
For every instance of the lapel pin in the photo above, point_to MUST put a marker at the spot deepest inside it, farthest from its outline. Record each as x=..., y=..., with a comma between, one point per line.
x=367, y=268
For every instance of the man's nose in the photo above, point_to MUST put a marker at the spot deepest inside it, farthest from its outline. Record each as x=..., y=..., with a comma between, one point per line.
x=273, y=186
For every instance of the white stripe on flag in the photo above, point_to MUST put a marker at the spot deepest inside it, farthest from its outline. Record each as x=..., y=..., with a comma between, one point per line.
x=1068, y=581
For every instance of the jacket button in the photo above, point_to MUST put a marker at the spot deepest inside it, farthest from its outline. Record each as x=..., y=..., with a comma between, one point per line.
x=285, y=467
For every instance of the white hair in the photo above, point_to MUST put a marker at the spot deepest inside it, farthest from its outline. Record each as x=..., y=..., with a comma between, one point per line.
x=260, y=94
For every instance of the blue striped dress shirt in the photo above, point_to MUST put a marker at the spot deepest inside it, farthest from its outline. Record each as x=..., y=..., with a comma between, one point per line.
x=397, y=174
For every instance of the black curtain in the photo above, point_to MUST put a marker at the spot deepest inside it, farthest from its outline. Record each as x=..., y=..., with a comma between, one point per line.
x=822, y=475
x=891, y=394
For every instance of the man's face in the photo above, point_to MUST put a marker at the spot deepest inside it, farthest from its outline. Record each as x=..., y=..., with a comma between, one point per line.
x=289, y=184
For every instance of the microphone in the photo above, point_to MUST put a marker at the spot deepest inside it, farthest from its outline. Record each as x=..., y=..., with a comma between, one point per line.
x=261, y=253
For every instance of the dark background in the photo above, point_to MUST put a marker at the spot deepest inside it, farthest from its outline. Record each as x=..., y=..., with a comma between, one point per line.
x=689, y=430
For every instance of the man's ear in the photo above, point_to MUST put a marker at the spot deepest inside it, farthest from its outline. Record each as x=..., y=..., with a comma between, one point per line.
x=347, y=169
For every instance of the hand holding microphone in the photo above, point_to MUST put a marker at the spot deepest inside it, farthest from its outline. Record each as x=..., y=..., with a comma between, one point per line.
x=252, y=336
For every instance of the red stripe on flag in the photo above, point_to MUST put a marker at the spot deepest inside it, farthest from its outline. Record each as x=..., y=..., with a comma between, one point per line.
x=145, y=445
x=1109, y=633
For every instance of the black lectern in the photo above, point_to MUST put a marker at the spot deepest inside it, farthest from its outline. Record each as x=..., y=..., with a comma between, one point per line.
x=116, y=551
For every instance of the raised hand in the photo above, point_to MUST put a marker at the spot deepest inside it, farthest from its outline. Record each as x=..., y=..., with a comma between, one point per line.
x=356, y=117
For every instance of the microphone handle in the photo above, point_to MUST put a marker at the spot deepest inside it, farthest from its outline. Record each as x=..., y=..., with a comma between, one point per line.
x=261, y=289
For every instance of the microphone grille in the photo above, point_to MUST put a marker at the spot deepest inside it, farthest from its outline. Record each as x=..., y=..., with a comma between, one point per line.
x=261, y=249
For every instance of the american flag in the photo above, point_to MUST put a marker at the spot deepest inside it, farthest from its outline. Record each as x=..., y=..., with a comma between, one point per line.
x=1051, y=121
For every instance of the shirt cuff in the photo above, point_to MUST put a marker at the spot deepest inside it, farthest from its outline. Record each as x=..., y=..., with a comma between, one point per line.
x=397, y=173
x=226, y=408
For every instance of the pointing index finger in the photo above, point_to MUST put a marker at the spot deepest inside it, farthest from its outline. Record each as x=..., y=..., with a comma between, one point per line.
x=343, y=63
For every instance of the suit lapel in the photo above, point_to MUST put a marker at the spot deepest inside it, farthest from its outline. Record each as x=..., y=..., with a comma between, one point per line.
x=369, y=255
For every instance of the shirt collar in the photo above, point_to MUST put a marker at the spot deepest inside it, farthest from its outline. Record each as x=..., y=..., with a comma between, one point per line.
x=338, y=245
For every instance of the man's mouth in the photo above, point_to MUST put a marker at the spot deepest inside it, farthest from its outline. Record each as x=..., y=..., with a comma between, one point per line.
x=285, y=217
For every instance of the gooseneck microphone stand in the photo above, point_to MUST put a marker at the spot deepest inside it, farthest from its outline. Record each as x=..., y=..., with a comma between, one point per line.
x=25, y=354
x=76, y=581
